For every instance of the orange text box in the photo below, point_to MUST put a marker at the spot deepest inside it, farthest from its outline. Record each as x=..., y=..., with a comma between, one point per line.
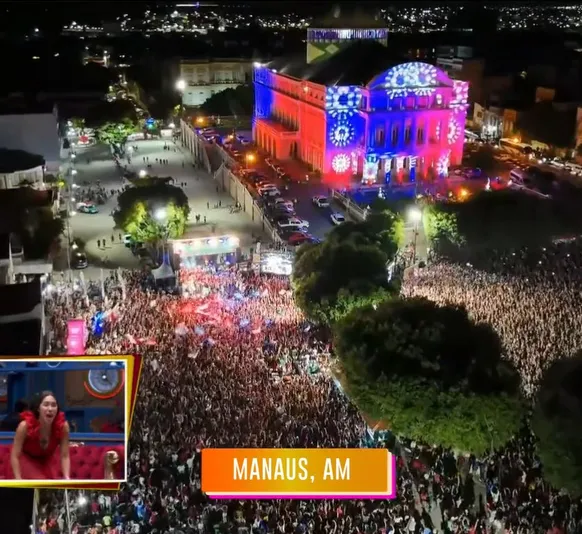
x=228, y=473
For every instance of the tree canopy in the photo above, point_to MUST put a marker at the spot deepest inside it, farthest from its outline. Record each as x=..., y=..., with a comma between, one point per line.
x=430, y=372
x=115, y=134
x=139, y=209
x=483, y=158
x=237, y=101
x=118, y=111
x=348, y=269
x=503, y=220
x=557, y=423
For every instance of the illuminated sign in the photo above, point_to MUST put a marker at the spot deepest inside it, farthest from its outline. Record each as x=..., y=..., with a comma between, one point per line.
x=314, y=34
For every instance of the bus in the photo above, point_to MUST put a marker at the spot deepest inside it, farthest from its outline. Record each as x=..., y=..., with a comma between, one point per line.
x=514, y=146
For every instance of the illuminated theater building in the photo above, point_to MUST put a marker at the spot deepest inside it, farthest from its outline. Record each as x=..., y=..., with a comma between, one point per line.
x=358, y=114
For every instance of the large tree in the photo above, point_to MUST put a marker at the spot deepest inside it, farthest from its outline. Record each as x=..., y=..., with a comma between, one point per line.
x=330, y=277
x=349, y=269
x=430, y=372
x=557, y=423
x=153, y=213
x=115, y=134
x=238, y=101
x=504, y=220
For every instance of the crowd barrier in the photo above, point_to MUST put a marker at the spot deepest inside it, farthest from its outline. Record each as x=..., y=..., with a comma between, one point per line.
x=239, y=193
x=352, y=209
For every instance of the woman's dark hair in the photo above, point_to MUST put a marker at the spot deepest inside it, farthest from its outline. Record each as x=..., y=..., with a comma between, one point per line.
x=38, y=399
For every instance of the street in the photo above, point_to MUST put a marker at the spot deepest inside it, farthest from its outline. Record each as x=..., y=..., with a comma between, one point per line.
x=102, y=172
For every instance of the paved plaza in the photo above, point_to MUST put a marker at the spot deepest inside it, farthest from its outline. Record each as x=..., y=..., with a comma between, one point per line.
x=96, y=168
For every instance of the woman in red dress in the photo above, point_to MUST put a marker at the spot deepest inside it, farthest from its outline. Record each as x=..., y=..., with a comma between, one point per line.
x=41, y=433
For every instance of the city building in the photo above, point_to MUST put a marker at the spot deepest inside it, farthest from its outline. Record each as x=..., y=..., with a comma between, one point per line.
x=205, y=77
x=358, y=114
x=33, y=130
x=460, y=63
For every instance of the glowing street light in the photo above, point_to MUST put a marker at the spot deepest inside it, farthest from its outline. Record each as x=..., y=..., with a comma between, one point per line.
x=181, y=85
x=172, y=125
x=161, y=214
x=250, y=158
x=73, y=172
x=142, y=174
x=415, y=214
x=200, y=120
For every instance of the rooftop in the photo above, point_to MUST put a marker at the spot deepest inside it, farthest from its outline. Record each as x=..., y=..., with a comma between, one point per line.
x=22, y=338
x=17, y=160
x=16, y=299
x=356, y=64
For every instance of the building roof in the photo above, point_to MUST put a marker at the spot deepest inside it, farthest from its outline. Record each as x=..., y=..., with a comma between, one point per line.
x=22, y=338
x=16, y=299
x=18, y=160
x=356, y=64
x=21, y=104
x=26, y=197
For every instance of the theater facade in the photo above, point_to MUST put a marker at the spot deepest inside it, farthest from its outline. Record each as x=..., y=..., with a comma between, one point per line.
x=356, y=116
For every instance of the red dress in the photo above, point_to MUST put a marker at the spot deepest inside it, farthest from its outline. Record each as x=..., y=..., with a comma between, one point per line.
x=37, y=463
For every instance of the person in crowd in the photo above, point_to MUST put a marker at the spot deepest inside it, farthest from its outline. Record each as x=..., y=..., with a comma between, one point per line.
x=41, y=442
x=230, y=361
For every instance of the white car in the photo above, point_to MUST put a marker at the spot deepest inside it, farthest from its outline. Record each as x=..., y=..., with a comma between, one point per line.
x=293, y=222
x=337, y=218
x=266, y=187
x=270, y=193
x=320, y=201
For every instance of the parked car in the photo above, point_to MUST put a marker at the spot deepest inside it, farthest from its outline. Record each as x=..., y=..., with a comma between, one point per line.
x=320, y=201
x=79, y=260
x=293, y=222
x=87, y=207
x=284, y=212
x=266, y=193
x=337, y=218
x=263, y=186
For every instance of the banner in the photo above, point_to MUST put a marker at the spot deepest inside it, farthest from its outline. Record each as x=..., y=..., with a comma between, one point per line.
x=76, y=336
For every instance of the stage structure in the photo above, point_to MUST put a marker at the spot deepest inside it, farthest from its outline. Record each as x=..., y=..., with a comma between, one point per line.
x=194, y=251
x=357, y=114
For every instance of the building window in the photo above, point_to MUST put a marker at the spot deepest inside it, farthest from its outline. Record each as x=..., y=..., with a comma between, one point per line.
x=410, y=102
x=407, y=134
x=379, y=137
x=420, y=135
x=394, y=138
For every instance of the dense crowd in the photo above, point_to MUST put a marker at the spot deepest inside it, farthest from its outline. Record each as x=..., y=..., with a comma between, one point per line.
x=530, y=297
x=231, y=362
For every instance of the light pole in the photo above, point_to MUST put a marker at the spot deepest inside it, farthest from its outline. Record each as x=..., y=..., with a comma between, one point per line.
x=161, y=216
x=250, y=158
x=181, y=87
x=415, y=215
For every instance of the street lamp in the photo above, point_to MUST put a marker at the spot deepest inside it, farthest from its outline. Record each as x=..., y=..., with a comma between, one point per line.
x=181, y=87
x=415, y=215
x=160, y=214
x=142, y=174
x=250, y=158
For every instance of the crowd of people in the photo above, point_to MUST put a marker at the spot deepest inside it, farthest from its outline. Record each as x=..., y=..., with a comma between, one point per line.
x=230, y=361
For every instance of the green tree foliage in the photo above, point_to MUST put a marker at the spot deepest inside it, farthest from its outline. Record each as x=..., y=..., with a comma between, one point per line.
x=557, y=423
x=349, y=269
x=115, y=134
x=430, y=372
x=238, y=101
x=505, y=219
x=118, y=111
x=327, y=275
x=137, y=207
